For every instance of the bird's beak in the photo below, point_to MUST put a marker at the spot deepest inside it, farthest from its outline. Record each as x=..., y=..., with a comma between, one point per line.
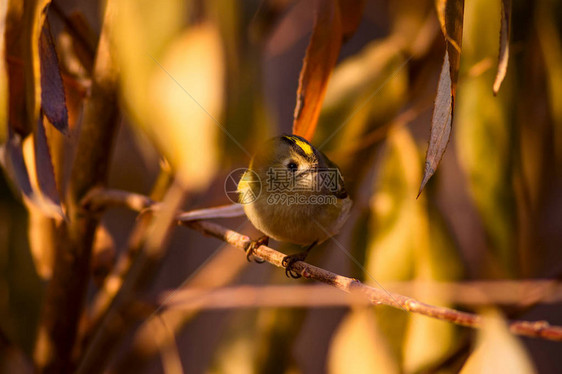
x=305, y=172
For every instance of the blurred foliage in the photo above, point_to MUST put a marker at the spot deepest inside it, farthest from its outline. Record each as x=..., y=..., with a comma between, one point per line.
x=202, y=83
x=409, y=242
x=508, y=353
x=484, y=135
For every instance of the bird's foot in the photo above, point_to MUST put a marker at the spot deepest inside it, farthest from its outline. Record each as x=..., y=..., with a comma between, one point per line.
x=289, y=261
x=255, y=244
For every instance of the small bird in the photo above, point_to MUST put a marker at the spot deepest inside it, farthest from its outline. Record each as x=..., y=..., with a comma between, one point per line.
x=293, y=193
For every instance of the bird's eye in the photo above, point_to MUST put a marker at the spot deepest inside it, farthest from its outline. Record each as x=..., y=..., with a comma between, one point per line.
x=292, y=166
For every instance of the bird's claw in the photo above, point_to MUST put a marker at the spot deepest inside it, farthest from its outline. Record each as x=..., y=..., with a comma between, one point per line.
x=255, y=244
x=289, y=261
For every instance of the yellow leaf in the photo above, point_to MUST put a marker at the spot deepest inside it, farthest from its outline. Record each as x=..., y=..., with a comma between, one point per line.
x=408, y=242
x=483, y=136
x=366, y=92
x=172, y=83
x=426, y=342
x=551, y=46
x=41, y=233
x=187, y=94
x=357, y=346
x=498, y=351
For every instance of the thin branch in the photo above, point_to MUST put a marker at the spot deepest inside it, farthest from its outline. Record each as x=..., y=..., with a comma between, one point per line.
x=375, y=296
x=98, y=199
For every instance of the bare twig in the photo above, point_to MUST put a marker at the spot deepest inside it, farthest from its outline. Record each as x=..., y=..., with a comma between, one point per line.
x=98, y=199
x=376, y=296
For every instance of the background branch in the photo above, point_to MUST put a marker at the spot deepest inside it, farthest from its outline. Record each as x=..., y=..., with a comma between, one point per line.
x=471, y=294
x=149, y=249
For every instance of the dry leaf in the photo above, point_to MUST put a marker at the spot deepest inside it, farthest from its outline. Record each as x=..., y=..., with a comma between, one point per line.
x=33, y=64
x=351, y=15
x=32, y=169
x=41, y=233
x=504, y=44
x=53, y=100
x=34, y=17
x=84, y=40
x=450, y=14
x=14, y=59
x=319, y=61
x=44, y=167
x=15, y=165
x=440, y=123
x=3, y=76
x=29, y=164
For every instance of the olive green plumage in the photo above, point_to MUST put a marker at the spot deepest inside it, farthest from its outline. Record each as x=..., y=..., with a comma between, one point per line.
x=293, y=193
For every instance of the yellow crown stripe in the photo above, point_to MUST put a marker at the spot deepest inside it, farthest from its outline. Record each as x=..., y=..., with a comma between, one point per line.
x=307, y=149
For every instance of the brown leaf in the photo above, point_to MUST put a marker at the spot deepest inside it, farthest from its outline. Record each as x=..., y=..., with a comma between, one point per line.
x=504, y=45
x=84, y=39
x=41, y=233
x=3, y=75
x=34, y=16
x=53, y=100
x=440, y=123
x=450, y=14
x=14, y=60
x=28, y=161
x=319, y=61
x=44, y=166
x=351, y=14
x=24, y=25
x=16, y=97
x=15, y=164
